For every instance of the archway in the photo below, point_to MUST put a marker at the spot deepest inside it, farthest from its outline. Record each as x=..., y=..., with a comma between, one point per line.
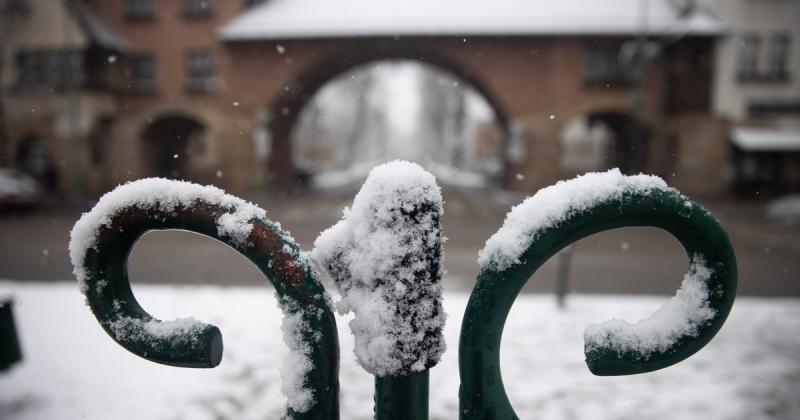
x=295, y=96
x=601, y=140
x=34, y=159
x=630, y=134
x=169, y=143
x=397, y=109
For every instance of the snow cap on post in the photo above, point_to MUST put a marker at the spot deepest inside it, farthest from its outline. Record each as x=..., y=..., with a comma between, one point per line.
x=385, y=256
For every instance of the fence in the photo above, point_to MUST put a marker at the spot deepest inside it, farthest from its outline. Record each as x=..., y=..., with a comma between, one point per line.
x=102, y=269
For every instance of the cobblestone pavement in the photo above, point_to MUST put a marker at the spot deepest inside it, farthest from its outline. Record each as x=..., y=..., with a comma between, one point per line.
x=33, y=246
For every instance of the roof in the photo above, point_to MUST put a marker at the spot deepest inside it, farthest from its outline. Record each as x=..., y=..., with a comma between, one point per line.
x=766, y=139
x=96, y=29
x=294, y=19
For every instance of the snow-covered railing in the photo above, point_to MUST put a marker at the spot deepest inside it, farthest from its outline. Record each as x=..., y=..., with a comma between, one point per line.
x=386, y=259
x=561, y=214
x=102, y=239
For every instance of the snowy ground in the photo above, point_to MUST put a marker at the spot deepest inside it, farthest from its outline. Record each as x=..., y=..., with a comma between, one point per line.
x=72, y=370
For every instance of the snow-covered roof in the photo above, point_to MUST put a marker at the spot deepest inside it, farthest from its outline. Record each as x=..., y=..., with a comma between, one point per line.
x=766, y=139
x=97, y=29
x=293, y=19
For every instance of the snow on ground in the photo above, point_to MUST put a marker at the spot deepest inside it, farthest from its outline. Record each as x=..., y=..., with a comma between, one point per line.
x=72, y=370
x=786, y=209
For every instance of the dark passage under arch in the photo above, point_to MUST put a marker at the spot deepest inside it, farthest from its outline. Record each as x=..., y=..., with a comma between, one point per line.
x=166, y=142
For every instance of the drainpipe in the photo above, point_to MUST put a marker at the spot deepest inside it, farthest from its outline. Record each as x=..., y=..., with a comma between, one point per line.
x=78, y=152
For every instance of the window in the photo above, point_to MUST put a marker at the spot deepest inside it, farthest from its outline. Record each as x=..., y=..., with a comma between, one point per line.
x=140, y=9
x=251, y=3
x=200, y=72
x=748, y=56
x=144, y=73
x=777, y=57
x=50, y=68
x=603, y=65
x=16, y=8
x=198, y=8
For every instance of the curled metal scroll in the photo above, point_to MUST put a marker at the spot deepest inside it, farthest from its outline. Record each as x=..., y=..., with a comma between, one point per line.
x=109, y=294
x=482, y=395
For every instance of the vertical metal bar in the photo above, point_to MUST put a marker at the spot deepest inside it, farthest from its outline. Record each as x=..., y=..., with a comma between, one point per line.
x=562, y=276
x=402, y=397
x=10, y=351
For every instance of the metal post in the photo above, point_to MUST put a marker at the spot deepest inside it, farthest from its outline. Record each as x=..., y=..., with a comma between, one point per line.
x=10, y=350
x=402, y=397
x=562, y=276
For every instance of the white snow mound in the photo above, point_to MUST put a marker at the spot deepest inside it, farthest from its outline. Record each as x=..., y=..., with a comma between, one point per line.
x=554, y=204
x=385, y=255
x=164, y=195
x=681, y=317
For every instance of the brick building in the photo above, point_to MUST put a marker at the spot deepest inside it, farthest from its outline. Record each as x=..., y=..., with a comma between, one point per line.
x=210, y=90
x=59, y=95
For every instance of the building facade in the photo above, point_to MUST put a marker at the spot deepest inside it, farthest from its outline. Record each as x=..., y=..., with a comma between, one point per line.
x=59, y=96
x=757, y=91
x=211, y=90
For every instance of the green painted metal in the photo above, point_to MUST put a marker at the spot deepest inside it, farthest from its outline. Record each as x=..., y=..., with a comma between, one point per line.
x=271, y=249
x=562, y=275
x=10, y=349
x=402, y=397
x=482, y=395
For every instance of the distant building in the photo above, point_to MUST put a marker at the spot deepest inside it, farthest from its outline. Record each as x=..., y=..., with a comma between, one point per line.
x=59, y=94
x=757, y=88
x=180, y=118
x=641, y=68
x=210, y=90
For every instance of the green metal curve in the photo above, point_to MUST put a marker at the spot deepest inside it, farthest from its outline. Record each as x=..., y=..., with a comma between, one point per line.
x=482, y=395
x=270, y=248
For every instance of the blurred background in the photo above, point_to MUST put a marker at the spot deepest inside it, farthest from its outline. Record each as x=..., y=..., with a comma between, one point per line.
x=289, y=103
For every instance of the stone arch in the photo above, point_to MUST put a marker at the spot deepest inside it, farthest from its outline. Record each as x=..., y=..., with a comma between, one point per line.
x=628, y=147
x=168, y=143
x=286, y=107
x=35, y=158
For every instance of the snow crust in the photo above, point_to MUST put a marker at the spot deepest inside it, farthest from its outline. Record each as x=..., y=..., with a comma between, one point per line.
x=786, y=209
x=298, y=363
x=290, y=19
x=681, y=317
x=68, y=362
x=385, y=256
x=165, y=195
x=554, y=204
x=127, y=329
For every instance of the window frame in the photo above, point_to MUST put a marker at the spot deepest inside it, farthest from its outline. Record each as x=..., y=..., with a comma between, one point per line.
x=602, y=65
x=144, y=73
x=192, y=9
x=200, y=72
x=778, y=51
x=139, y=10
x=50, y=68
x=747, y=54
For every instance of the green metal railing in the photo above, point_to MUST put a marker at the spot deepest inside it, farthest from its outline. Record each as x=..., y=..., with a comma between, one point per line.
x=110, y=297
x=482, y=394
x=10, y=349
